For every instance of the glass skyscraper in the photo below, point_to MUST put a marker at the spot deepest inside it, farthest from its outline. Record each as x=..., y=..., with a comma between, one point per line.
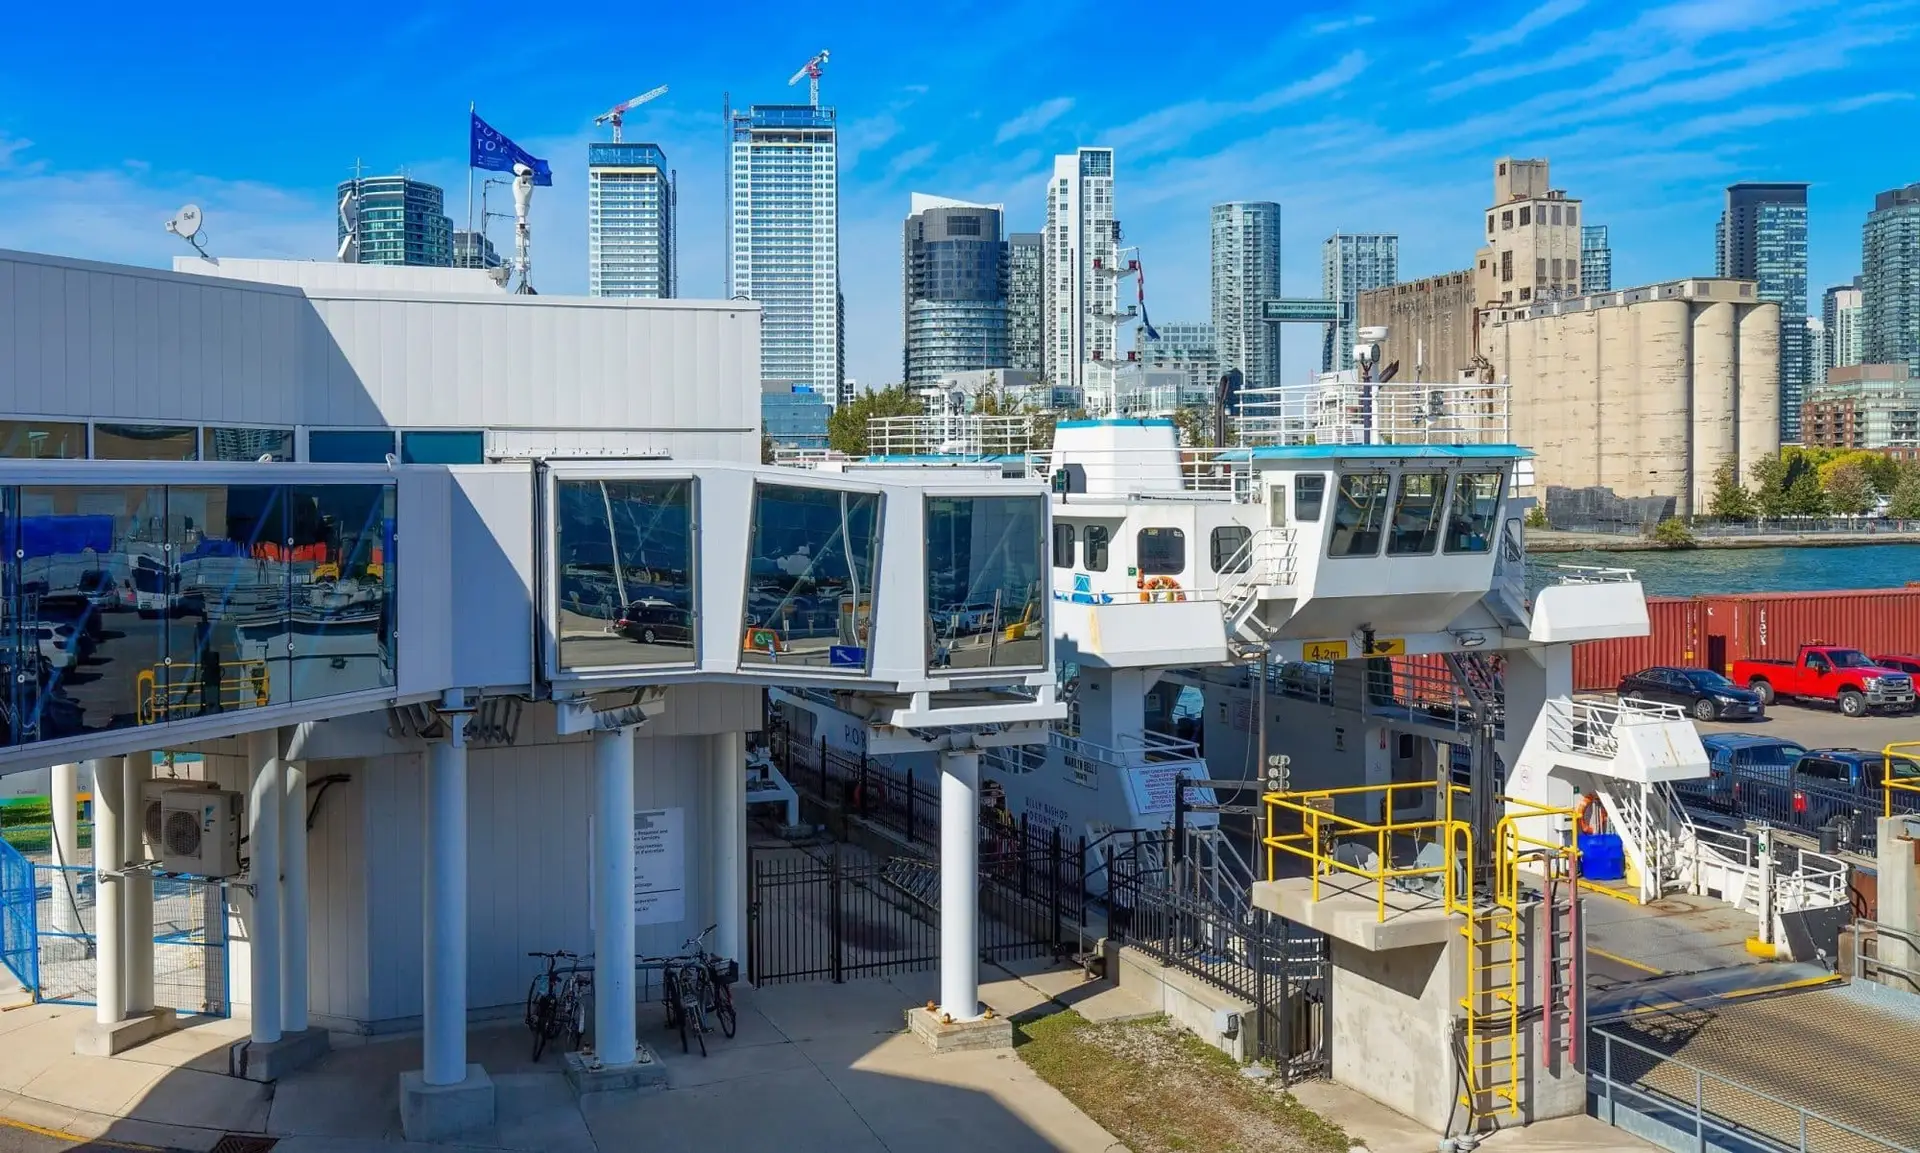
x=953, y=288
x=473, y=250
x=1763, y=237
x=1246, y=274
x=1596, y=260
x=1026, y=303
x=1080, y=252
x=401, y=221
x=1840, y=312
x=783, y=241
x=630, y=202
x=1351, y=264
x=1890, y=280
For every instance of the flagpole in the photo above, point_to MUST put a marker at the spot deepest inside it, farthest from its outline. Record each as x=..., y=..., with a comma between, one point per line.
x=473, y=242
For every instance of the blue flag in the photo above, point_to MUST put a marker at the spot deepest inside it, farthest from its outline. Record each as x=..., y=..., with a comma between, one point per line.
x=496, y=153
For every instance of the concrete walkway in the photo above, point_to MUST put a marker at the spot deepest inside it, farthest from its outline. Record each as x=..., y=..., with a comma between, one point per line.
x=814, y=1068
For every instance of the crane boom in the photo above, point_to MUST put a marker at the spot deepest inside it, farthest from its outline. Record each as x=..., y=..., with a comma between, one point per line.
x=613, y=115
x=810, y=71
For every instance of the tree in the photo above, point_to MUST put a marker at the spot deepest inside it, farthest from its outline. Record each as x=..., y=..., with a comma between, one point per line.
x=1904, y=499
x=1803, y=496
x=1729, y=500
x=847, y=427
x=1673, y=533
x=1849, y=490
x=1881, y=471
x=1196, y=430
x=1769, y=475
x=766, y=449
x=1537, y=516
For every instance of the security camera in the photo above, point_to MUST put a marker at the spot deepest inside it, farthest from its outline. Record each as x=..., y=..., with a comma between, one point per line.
x=521, y=170
x=1373, y=334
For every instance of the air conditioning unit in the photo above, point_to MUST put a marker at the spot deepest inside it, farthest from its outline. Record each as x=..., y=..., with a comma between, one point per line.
x=200, y=832
x=152, y=805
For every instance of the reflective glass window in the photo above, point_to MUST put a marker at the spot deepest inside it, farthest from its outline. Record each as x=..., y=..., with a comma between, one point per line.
x=1161, y=551
x=1359, y=509
x=1227, y=545
x=1416, y=514
x=443, y=448
x=246, y=443
x=342, y=577
x=986, y=596
x=812, y=559
x=43, y=440
x=1309, y=493
x=231, y=632
x=625, y=552
x=1470, y=515
x=146, y=442
x=1098, y=538
x=1062, y=546
x=88, y=614
x=349, y=446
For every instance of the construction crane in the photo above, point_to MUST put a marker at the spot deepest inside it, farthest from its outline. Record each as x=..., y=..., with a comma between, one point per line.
x=811, y=70
x=612, y=115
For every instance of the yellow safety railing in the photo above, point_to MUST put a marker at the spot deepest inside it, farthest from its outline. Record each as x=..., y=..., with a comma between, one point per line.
x=164, y=691
x=1323, y=830
x=1904, y=750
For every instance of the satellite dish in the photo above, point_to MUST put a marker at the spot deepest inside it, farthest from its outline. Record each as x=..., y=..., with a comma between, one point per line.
x=186, y=222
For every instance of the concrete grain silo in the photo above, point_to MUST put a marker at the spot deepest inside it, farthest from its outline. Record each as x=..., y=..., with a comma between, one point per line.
x=1715, y=388
x=1758, y=349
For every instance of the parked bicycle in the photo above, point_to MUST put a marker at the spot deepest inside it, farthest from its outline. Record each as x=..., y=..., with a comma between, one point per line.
x=697, y=983
x=557, y=1001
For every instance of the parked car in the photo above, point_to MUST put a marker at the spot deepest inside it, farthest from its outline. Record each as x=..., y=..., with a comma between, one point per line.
x=1735, y=757
x=1702, y=692
x=1828, y=673
x=656, y=622
x=1822, y=785
x=1905, y=662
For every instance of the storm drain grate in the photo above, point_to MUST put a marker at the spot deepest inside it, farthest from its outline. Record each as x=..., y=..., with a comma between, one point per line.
x=244, y=1143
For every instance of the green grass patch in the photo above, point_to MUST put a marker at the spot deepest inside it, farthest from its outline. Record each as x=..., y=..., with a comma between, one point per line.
x=1159, y=1089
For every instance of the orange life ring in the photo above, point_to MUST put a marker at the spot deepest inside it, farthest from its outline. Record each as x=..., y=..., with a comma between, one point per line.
x=1152, y=587
x=1590, y=815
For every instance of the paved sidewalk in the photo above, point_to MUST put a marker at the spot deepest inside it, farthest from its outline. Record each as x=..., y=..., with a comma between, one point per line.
x=814, y=1068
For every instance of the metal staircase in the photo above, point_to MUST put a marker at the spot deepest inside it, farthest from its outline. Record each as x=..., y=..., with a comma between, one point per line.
x=1267, y=558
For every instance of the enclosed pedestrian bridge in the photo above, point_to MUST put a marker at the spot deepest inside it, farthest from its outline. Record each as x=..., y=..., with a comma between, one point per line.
x=155, y=603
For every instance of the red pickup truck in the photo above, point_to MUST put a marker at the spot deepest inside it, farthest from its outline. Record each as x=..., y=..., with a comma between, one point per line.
x=1829, y=673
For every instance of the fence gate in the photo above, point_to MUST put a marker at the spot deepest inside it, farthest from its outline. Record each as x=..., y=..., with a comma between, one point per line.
x=190, y=973
x=838, y=914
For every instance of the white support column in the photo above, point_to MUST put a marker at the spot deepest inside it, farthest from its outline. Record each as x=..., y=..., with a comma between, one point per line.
x=960, y=884
x=66, y=847
x=137, y=900
x=728, y=753
x=293, y=888
x=444, y=1008
x=110, y=998
x=263, y=871
x=614, y=1037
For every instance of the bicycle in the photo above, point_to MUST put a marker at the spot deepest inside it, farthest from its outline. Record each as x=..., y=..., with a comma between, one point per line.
x=694, y=984
x=556, y=1001
x=719, y=978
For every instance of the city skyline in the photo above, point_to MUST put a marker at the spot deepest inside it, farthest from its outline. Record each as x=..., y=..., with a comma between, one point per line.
x=1649, y=111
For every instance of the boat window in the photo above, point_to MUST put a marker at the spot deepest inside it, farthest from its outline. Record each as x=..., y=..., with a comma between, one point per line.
x=146, y=442
x=1416, y=515
x=1309, y=492
x=1476, y=499
x=1096, y=547
x=987, y=587
x=625, y=552
x=1062, y=546
x=813, y=557
x=1229, y=547
x=1162, y=551
x=1359, y=508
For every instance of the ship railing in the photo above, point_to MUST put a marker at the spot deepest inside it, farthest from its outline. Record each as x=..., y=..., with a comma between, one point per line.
x=958, y=434
x=1591, y=727
x=1139, y=752
x=1415, y=846
x=1156, y=473
x=1593, y=574
x=1349, y=412
x=787, y=457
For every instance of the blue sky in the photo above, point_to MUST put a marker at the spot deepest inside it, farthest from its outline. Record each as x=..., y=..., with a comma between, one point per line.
x=1376, y=117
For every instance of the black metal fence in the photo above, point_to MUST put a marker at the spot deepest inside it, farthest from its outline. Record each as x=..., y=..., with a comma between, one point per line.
x=906, y=802
x=1277, y=965
x=1849, y=818
x=838, y=914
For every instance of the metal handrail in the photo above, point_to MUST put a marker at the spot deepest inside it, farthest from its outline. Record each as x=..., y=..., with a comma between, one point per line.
x=1594, y=574
x=1867, y=963
x=1322, y=827
x=1704, y=1122
x=1909, y=750
x=1348, y=411
x=1590, y=727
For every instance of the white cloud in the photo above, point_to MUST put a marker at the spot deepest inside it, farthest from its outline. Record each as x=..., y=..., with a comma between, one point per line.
x=860, y=137
x=1170, y=128
x=1549, y=13
x=1034, y=119
x=912, y=158
x=1329, y=27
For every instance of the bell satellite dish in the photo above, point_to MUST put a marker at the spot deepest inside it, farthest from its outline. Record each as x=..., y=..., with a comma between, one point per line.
x=186, y=224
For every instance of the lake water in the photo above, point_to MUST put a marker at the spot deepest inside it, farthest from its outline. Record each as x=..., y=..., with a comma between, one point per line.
x=1696, y=571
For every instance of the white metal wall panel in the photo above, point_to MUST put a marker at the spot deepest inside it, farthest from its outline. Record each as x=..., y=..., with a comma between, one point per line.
x=491, y=576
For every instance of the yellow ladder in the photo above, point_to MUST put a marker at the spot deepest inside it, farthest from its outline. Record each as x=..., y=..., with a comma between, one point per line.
x=1491, y=1009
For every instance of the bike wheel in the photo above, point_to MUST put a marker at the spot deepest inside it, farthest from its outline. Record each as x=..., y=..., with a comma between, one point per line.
x=685, y=1047
x=723, y=1009
x=576, y=1030
x=543, y=1026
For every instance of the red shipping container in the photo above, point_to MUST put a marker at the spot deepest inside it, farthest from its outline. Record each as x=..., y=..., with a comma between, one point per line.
x=1774, y=625
x=1673, y=639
